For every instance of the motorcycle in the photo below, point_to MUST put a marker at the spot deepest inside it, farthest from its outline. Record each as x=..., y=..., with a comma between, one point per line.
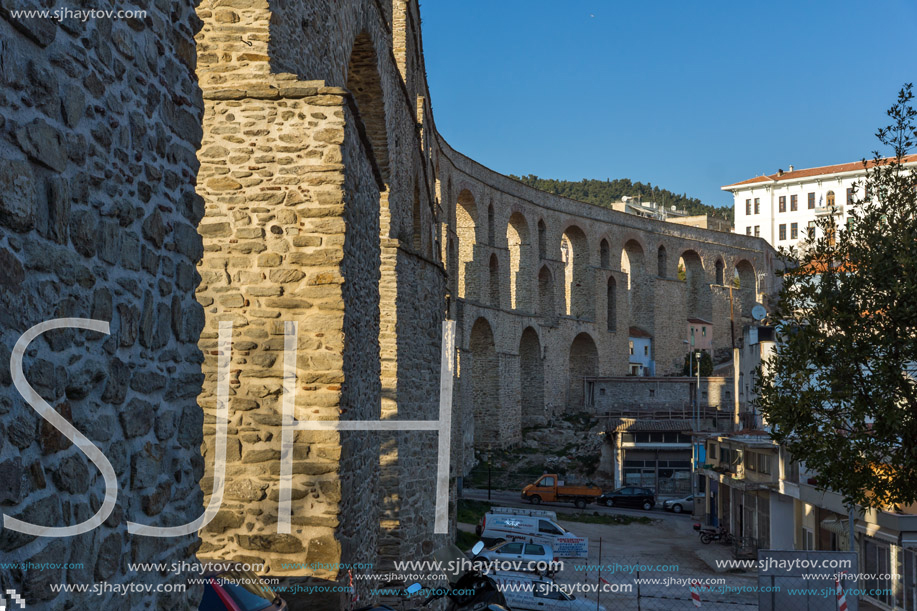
x=484, y=594
x=708, y=534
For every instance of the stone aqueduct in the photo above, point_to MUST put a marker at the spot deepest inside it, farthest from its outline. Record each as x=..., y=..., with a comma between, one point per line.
x=324, y=194
x=545, y=290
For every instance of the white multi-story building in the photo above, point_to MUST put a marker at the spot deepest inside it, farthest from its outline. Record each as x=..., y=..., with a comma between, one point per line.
x=782, y=207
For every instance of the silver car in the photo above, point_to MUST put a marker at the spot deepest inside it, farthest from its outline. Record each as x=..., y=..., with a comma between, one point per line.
x=684, y=504
x=520, y=556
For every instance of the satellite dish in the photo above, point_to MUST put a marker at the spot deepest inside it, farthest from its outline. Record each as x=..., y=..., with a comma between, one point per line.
x=758, y=312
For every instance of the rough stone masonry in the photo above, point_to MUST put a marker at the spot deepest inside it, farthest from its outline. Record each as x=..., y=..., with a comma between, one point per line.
x=321, y=193
x=99, y=124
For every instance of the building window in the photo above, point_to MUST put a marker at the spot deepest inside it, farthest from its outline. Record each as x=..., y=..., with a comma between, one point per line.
x=794, y=231
x=794, y=203
x=748, y=231
x=811, y=230
x=808, y=539
x=652, y=392
x=782, y=231
x=757, y=205
x=631, y=348
x=646, y=351
x=782, y=203
x=876, y=559
x=757, y=231
x=830, y=199
x=747, y=206
x=703, y=331
x=850, y=196
x=811, y=201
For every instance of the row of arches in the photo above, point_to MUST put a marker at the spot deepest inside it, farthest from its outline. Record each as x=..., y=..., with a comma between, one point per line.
x=485, y=377
x=578, y=273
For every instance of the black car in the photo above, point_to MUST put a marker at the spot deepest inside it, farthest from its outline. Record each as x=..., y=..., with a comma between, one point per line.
x=629, y=496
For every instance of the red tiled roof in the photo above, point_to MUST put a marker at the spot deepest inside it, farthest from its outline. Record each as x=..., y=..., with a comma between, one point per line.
x=826, y=169
x=631, y=424
x=638, y=332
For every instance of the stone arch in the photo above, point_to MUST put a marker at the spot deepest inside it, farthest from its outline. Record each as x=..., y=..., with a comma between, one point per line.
x=485, y=383
x=491, y=232
x=466, y=214
x=662, y=262
x=365, y=85
x=520, y=262
x=632, y=262
x=546, y=293
x=719, y=268
x=494, y=281
x=531, y=378
x=747, y=282
x=611, y=304
x=584, y=362
x=604, y=255
x=640, y=291
x=695, y=299
x=577, y=286
x=542, y=239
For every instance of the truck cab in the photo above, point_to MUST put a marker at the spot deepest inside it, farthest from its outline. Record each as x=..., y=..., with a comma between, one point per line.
x=545, y=488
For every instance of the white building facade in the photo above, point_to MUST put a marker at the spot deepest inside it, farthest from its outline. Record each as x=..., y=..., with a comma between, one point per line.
x=782, y=207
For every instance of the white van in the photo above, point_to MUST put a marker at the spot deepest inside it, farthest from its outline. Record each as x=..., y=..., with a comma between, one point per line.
x=531, y=526
x=523, y=591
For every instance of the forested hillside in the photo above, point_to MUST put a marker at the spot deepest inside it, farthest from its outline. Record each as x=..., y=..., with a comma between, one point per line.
x=604, y=192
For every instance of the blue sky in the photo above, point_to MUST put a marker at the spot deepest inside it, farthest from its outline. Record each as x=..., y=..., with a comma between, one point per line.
x=687, y=95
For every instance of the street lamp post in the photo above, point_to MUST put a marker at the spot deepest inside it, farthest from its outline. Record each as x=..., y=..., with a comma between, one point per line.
x=697, y=390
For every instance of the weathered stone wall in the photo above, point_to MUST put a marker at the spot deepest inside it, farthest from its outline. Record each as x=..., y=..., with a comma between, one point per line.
x=99, y=122
x=321, y=208
x=676, y=393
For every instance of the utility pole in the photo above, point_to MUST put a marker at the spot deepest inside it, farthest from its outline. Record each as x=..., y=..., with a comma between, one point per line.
x=736, y=366
x=697, y=390
x=488, y=475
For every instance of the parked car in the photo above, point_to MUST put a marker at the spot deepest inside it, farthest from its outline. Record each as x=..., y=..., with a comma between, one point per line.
x=550, y=488
x=683, y=504
x=529, y=526
x=518, y=551
x=239, y=591
x=629, y=496
x=524, y=591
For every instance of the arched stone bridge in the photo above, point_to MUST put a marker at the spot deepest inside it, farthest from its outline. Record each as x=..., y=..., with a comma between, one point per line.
x=545, y=290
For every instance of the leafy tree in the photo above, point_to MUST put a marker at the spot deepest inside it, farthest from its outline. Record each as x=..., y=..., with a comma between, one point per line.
x=706, y=364
x=841, y=393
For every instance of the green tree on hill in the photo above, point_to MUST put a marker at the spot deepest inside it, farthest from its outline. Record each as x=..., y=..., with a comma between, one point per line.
x=605, y=192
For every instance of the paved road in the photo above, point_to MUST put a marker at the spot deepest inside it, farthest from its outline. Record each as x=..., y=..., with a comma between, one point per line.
x=512, y=499
x=669, y=541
